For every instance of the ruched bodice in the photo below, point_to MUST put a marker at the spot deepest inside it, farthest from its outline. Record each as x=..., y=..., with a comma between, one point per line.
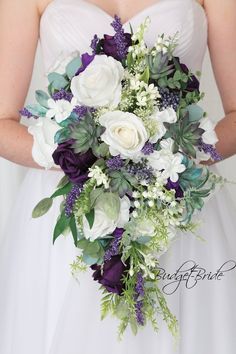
x=69, y=25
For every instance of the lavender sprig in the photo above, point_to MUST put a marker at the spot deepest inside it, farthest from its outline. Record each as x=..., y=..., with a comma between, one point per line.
x=211, y=150
x=120, y=38
x=62, y=95
x=24, y=112
x=94, y=44
x=148, y=149
x=71, y=198
x=113, y=250
x=115, y=163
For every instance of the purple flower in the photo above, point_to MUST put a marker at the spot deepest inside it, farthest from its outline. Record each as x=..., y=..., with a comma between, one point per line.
x=110, y=276
x=26, y=113
x=62, y=95
x=211, y=150
x=94, y=44
x=175, y=185
x=148, y=149
x=113, y=249
x=116, y=46
x=139, y=312
x=81, y=111
x=71, y=199
x=86, y=60
x=115, y=163
x=75, y=166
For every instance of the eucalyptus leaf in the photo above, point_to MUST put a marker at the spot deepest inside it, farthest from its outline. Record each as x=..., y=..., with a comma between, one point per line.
x=73, y=67
x=42, y=207
x=57, y=81
x=42, y=98
x=195, y=112
x=37, y=110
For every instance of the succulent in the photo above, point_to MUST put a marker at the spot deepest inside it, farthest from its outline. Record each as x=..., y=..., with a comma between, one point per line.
x=185, y=133
x=85, y=134
x=159, y=65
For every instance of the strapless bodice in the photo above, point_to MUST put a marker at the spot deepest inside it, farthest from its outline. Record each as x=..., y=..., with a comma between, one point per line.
x=69, y=25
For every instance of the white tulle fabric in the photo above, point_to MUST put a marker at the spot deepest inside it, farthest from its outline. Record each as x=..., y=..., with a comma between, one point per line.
x=43, y=310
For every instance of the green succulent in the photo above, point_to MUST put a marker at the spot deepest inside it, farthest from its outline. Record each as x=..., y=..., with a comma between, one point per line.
x=86, y=134
x=185, y=133
x=159, y=66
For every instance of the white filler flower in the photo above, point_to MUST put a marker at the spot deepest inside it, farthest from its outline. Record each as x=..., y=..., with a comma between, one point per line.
x=60, y=109
x=100, y=83
x=43, y=145
x=125, y=134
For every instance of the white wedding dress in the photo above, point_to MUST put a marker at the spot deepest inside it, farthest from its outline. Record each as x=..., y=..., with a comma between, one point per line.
x=43, y=310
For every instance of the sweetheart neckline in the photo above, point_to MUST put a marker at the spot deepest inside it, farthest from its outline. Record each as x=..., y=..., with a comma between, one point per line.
x=132, y=18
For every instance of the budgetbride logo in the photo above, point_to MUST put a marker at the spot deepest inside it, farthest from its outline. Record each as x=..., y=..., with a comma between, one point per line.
x=190, y=274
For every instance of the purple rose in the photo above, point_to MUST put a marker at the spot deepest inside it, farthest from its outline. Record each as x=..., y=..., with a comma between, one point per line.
x=110, y=48
x=175, y=185
x=75, y=166
x=111, y=274
x=86, y=60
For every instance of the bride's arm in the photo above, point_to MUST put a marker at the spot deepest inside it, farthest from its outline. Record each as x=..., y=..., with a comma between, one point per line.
x=19, y=27
x=222, y=46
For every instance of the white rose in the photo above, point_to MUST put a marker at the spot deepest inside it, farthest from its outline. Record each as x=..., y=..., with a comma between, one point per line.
x=103, y=225
x=60, y=109
x=125, y=133
x=59, y=66
x=100, y=83
x=209, y=136
x=43, y=145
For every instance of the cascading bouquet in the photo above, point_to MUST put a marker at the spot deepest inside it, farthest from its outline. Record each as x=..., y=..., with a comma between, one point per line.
x=124, y=125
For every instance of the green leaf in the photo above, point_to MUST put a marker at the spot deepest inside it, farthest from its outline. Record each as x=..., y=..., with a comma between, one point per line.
x=145, y=76
x=73, y=230
x=62, y=191
x=100, y=150
x=42, y=207
x=90, y=218
x=73, y=67
x=63, y=182
x=42, y=98
x=61, y=225
x=57, y=81
x=37, y=110
x=133, y=325
x=130, y=60
x=62, y=135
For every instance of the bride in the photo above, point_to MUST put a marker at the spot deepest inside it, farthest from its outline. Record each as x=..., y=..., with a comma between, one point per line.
x=43, y=310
